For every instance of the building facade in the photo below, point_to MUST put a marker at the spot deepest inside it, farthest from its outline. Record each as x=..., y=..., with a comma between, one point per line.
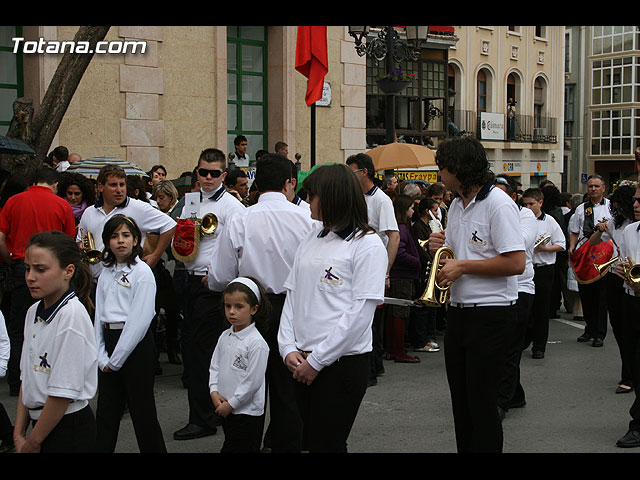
x=199, y=86
x=603, y=91
x=507, y=84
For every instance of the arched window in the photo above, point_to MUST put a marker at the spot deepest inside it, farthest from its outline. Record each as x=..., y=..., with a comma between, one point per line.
x=539, y=95
x=482, y=91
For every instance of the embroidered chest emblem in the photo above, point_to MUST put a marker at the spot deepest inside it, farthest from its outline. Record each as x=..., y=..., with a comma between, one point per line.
x=239, y=362
x=476, y=240
x=588, y=211
x=124, y=281
x=44, y=365
x=331, y=278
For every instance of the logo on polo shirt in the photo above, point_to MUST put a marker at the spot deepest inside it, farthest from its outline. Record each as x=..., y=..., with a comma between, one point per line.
x=476, y=240
x=44, y=366
x=330, y=278
x=239, y=362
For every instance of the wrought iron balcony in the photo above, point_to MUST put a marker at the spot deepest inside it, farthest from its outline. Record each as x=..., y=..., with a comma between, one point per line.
x=520, y=128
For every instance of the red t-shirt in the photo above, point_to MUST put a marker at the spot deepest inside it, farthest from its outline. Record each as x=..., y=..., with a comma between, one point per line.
x=36, y=210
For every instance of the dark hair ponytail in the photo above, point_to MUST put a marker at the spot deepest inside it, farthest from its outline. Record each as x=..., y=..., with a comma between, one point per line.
x=65, y=249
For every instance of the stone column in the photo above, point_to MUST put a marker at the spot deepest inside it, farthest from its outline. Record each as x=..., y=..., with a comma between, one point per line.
x=141, y=80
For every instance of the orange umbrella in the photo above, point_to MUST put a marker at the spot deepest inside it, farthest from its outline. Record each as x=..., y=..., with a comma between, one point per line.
x=402, y=155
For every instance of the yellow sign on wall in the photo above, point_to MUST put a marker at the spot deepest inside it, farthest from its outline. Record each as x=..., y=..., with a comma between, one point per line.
x=403, y=175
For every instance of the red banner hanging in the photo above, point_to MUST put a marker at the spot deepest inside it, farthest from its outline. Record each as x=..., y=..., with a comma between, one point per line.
x=312, y=59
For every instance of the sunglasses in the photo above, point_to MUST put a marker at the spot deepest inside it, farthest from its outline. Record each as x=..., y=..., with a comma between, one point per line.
x=636, y=199
x=203, y=172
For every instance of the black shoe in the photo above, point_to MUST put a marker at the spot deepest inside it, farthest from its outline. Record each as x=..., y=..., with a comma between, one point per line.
x=621, y=389
x=517, y=404
x=174, y=358
x=501, y=413
x=631, y=439
x=585, y=337
x=597, y=342
x=537, y=354
x=192, y=431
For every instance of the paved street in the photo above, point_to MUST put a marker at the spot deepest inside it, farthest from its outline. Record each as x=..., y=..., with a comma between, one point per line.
x=571, y=405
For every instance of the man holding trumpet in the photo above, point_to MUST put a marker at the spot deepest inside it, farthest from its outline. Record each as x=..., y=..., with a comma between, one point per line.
x=483, y=232
x=629, y=269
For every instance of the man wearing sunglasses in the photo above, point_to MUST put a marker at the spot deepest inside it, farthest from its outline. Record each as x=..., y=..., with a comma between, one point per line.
x=204, y=319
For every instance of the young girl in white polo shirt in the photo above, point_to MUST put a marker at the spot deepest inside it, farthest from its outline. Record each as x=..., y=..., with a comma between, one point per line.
x=336, y=282
x=59, y=356
x=125, y=306
x=239, y=364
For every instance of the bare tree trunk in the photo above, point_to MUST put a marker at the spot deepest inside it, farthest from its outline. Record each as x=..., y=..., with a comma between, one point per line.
x=46, y=121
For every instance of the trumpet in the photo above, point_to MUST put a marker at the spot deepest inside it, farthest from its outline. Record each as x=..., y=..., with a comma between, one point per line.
x=90, y=253
x=604, y=267
x=541, y=240
x=434, y=294
x=208, y=224
x=632, y=272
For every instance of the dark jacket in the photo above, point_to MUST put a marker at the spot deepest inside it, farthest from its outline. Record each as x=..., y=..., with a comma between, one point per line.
x=407, y=262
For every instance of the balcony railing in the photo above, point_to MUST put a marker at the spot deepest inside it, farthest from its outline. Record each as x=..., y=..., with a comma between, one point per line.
x=520, y=128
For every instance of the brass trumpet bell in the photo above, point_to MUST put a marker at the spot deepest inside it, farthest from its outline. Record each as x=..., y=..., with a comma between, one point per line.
x=632, y=272
x=434, y=294
x=91, y=254
x=208, y=224
x=602, y=268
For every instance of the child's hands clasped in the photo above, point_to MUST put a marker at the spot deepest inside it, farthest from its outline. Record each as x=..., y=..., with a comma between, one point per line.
x=222, y=407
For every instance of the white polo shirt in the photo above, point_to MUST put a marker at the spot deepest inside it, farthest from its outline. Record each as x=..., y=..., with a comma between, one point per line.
x=600, y=212
x=631, y=248
x=148, y=219
x=59, y=355
x=124, y=294
x=336, y=282
x=615, y=234
x=529, y=225
x=224, y=206
x=237, y=370
x=261, y=242
x=548, y=226
x=382, y=218
x=487, y=227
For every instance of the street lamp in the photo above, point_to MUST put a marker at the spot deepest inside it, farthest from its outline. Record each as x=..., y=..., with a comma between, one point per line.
x=387, y=41
x=390, y=47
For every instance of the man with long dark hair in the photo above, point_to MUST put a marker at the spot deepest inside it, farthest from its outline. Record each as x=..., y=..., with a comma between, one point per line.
x=484, y=233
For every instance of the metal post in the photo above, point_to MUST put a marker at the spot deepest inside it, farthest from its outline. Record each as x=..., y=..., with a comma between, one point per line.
x=313, y=134
x=390, y=117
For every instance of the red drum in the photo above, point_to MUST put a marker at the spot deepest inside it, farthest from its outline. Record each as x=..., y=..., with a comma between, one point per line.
x=586, y=259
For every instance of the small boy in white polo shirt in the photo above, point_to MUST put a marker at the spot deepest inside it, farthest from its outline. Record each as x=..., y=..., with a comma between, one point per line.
x=550, y=239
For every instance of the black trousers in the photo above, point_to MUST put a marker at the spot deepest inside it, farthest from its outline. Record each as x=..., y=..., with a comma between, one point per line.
x=594, y=308
x=475, y=351
x=74, y=433
x=631, y=351
x=284, y=433
x=538, y=330
x=510, y=391
x=131, y=385
x=206, y=323
x=20, y=302
x=242, y=433
x=615, y=299
x=329, y=405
